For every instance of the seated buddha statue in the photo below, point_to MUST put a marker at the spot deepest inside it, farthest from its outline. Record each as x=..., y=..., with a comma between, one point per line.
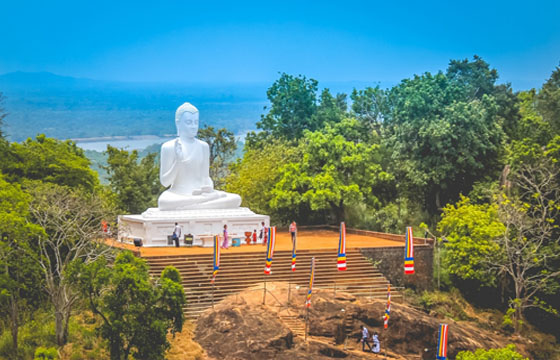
x=185, y=169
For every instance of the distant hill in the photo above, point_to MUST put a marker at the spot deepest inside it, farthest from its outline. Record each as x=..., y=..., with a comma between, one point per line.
x=66, y=107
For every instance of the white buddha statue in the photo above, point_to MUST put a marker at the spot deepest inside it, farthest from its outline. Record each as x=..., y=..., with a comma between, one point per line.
x=185, y=166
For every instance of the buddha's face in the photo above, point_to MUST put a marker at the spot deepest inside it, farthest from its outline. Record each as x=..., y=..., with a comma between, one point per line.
x=188, y=125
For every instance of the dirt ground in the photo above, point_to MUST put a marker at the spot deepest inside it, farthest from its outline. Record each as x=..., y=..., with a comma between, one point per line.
x=241, y=327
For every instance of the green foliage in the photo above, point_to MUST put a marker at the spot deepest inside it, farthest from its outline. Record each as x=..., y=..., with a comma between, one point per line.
x=370, y=105
x=470, y=230
x=445, y=130
x=255, y=175
x=293, y=102
x=49, y=160
x=136, y=183
x=136, y=312
x=222, y=147
x=20, y=278
x=37, y=330
x=43, y=353
x=548, y=100
x=507, y=353
x=451, y=305
x=332, y=173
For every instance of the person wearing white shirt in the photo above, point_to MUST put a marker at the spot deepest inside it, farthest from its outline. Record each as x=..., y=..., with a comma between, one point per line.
x=177, y=234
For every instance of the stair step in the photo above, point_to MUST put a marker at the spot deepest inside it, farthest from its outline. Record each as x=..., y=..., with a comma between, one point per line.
x=239, y=271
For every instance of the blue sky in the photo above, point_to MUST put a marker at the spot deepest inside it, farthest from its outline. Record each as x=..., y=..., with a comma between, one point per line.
x=218, y=41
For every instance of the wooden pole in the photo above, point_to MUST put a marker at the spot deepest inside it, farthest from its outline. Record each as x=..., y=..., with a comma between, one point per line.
x=306, y=320
x=264, y=293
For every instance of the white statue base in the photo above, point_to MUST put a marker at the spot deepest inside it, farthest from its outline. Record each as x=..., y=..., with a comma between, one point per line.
x=153, y=226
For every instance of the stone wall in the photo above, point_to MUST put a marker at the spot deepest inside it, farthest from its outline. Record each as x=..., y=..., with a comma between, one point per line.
x=390, y=261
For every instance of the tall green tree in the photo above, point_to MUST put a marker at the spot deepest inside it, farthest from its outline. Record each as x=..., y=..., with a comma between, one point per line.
x=548, y=100
x=135, y=182
x=222, y=147
x=136, y=312
x=71, y=220
x=472, y=230
x=255, y=175
x=293, y=102
x=49, y=160
x=20, y=281
x=332, y=173
x=444, y=136
x=370, y=106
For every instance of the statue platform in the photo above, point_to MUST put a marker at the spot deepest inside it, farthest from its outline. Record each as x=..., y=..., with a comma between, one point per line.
x=154, y=226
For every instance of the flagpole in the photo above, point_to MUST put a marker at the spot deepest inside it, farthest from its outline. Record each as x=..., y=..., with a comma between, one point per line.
x=289, y=287
x=291, y=272
x=264, y=293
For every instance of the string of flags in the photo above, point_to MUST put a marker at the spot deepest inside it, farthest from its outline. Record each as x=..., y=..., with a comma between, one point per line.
x=311, y=278
x=388, y=309
x=216, y=264
x=270, y=250
x=409, y=252
x=341, y=263
x=441, y=353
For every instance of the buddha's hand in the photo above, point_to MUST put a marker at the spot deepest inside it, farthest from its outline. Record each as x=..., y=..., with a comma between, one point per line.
x=179, y=151
x=206, y=188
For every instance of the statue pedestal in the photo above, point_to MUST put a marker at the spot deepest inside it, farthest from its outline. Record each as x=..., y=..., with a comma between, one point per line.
x=153, y=226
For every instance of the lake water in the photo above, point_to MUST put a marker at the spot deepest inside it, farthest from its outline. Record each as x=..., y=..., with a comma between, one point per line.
x=128, y=144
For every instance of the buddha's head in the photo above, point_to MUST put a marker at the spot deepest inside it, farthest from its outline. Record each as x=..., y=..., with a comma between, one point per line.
x=186, y=120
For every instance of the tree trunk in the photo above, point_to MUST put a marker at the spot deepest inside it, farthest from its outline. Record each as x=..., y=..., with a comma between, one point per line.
x=14, y=322
x=339, y=212
x=61, y=319
x=438, y=201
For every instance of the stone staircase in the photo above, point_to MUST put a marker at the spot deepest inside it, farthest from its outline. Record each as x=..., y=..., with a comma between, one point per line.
x=239, y=271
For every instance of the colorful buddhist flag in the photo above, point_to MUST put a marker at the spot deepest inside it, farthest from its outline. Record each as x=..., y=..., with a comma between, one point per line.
x=388, y=309
x=341, y=263
x=409, y=252
x=270, y=249
x=216, y=258
x=311, y=278
x=294, y=255
x=441, y=353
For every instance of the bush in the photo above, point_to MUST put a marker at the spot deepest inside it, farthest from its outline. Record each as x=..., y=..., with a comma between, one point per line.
x=507, y=353
x=42, y=353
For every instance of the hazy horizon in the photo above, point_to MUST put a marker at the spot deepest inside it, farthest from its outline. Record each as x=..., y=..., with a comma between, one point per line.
x=250, y=42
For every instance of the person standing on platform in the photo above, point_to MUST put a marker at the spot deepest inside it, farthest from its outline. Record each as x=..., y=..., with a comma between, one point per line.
x=225, y=244
x=293, y=231
x=263, y=234
x=254, y=236
x=176, y=234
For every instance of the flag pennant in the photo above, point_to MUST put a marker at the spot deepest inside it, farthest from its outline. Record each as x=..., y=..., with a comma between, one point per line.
x=311, y=278
x=341, y=262
x=294, y=255
x=216, y=258
x=270, y=249
x=409, y=252
x=388, y=309
x=441, y=353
